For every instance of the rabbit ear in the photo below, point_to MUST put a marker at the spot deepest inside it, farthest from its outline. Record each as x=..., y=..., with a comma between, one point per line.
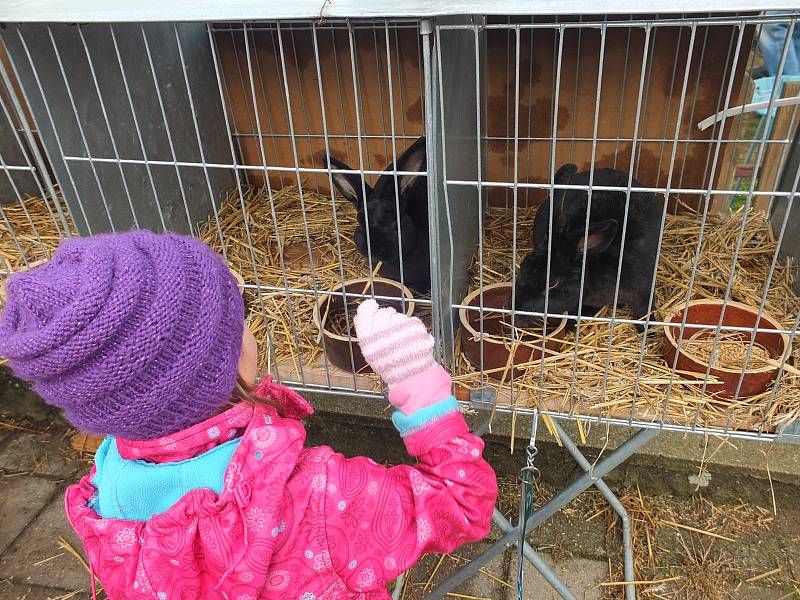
x=413, y=159
x=600, y=237
x=562, y=177
x=565, y=173
x=349, y=186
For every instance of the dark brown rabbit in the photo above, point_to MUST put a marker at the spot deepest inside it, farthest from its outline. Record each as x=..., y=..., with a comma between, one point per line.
x=378, y=212
x=603, y=247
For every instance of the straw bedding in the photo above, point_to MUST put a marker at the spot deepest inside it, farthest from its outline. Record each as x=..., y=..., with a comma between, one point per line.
x=285, y=260
x=260, y=257
x=29, y=232
x=731, y=350
x=576, y=381
x=285, y=320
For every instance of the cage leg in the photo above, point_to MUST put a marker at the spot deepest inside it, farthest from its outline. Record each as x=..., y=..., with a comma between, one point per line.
x=567, y=495
x=627, y=553
x=480, y=561
x=536, y=560
x=587, y=480
x=531, y=555
x=611, y=498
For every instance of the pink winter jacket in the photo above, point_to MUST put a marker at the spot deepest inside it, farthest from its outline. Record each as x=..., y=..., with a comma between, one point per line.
x=291, y=522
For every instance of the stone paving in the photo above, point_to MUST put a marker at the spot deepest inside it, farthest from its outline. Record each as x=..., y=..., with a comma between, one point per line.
x=36, y=467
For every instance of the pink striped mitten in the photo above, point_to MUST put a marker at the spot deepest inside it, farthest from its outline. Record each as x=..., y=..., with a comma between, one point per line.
x=400, y=350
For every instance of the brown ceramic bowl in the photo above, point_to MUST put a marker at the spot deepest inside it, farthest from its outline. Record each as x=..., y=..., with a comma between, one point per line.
x=496, y=338
x=707, y=312
x=329, y=306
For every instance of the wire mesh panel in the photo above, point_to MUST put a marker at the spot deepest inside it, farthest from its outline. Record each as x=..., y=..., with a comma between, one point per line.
x=295, y=149
x=24, y=175
x=593, y=214
x=133, y=133
x=304, y=99
x=628, y=269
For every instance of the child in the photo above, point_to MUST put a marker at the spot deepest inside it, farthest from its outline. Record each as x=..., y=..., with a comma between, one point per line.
x=202, y=488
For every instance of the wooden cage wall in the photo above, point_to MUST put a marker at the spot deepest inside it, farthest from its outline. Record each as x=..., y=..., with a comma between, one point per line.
x=365, y=104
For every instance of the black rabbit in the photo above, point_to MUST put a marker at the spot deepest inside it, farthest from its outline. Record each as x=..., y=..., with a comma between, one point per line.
x=382, y=205
x=603, y=246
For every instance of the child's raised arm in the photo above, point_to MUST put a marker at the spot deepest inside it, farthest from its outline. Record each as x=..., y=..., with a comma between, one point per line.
x=380, y=520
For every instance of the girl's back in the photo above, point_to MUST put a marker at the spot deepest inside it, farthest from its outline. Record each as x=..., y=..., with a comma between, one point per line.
x=203, y=488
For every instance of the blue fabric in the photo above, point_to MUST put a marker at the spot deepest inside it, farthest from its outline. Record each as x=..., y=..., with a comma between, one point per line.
x=137, y=490
x=423, y=417
x=771, y=43
x=762, y=90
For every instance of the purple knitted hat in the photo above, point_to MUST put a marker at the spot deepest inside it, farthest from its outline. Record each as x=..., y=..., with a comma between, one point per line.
x=136, y=335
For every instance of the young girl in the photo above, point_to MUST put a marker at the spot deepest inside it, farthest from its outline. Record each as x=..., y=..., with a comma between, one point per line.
x=202, y=488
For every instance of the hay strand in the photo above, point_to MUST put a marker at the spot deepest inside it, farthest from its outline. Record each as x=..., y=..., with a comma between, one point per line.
x=280, y=257
x=30, y=232
x=576, y=380
x=293, y=245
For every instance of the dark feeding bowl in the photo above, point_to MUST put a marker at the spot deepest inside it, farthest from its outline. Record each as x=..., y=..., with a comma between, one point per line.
x=707, y=312
x=497, y=340
x=330, y=311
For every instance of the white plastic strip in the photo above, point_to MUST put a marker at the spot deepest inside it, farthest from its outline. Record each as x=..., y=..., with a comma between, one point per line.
x=743, y=108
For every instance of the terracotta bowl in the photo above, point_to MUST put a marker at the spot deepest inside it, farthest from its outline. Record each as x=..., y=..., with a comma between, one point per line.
x=707, y=312
x=337, y=346
x=497, y=337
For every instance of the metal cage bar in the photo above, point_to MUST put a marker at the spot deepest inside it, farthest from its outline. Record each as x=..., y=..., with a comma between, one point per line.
x=209, y=134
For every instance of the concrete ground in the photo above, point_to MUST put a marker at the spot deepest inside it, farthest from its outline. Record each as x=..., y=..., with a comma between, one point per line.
x=38, y=558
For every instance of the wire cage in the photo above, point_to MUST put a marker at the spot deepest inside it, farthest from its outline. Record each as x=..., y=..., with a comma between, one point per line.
x=426, y=162
x=632, y=94
x=223, y=130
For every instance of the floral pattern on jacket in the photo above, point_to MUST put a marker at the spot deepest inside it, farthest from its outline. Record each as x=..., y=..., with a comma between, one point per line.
x=290, y=522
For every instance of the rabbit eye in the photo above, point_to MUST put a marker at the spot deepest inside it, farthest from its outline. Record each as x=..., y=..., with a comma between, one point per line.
x=553, y=284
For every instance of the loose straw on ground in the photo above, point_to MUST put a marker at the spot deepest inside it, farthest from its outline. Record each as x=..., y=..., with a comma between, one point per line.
x=688, y=573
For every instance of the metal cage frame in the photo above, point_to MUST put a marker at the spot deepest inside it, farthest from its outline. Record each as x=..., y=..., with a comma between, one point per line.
x=55, y=133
